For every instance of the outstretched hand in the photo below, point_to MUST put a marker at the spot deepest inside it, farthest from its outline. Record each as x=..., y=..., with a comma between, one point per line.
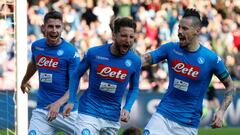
x=125, y=115
x=67, y=110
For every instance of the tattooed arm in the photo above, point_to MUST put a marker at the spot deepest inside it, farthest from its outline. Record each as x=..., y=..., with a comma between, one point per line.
x=146, y=59
x=228, y=96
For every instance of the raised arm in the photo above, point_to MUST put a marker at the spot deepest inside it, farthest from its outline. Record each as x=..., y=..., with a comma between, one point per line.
x=228, y=96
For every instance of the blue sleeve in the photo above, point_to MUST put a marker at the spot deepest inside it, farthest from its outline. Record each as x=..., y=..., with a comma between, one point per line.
x=75, y=78
x=32, y=50
x=74, y=61
x=219, y=68
x=133, y=89
x=160, y=53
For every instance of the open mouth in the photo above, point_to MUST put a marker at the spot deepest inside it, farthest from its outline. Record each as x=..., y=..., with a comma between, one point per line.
x=181, y=38
x=125, y=48
x=53, y=36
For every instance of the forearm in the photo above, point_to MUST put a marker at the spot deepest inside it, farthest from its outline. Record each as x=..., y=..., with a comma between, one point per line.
x=130, y=99
x=73, y=86
x=31, y=69
x=228, y=95
x=63, y=99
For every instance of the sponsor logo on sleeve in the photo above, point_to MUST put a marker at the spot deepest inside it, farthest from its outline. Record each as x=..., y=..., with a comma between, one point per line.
x=113, y=73
x=185, y=69
x=47, y=62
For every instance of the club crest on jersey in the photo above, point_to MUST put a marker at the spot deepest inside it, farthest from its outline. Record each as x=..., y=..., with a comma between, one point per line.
x=113, y=73
x=201, y=60
x=60, y=52
x=47, y=62
x=185, y=69
x=32, y=132
x=128, y=63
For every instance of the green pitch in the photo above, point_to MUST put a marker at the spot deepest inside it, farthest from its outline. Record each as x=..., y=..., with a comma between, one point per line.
x=209, y=131
x=220, y=131
x=202, y=131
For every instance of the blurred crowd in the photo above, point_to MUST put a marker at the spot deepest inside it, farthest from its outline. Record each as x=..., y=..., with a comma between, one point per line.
x=87, y=25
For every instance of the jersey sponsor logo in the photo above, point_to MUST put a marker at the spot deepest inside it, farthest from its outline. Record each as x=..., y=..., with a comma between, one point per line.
x=108, y=87
x=45, y=77
x=185, y=69
x=47, y=62
x=180, y=84
x=113, y=73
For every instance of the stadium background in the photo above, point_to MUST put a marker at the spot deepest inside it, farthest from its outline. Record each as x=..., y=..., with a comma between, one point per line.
x=87, y=25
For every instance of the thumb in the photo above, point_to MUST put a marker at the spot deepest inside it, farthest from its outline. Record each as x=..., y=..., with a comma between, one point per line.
x=66, y=112
x=47, y=107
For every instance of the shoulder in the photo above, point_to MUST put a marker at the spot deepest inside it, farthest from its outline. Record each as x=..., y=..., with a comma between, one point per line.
x=169, y=45
x=69, y=46
x=98, y=49
x=135, y=57
x=39, y=42
x=210, y=55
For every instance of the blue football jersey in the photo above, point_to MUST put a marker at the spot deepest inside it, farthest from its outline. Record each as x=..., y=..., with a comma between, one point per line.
x=189, y=76
x=54, y=65
x=109, y=77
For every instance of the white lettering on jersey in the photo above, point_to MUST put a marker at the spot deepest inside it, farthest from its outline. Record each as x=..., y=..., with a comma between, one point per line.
x=185, y=69
x=113, y=73
x=47, y=62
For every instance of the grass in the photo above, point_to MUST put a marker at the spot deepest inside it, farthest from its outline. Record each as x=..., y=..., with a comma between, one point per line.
x=202, y=131
x=220, y=131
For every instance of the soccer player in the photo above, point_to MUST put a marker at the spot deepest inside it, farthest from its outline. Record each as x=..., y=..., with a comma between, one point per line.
x=54, y=59
x=191, y=67
x=112, y=67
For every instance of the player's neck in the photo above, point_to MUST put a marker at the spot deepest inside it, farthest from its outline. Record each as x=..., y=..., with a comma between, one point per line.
x=56, y=44
x=194, y=46
x=114, y=50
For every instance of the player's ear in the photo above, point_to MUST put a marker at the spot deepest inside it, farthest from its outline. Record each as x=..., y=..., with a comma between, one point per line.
x=43, y=29
x=114, y=36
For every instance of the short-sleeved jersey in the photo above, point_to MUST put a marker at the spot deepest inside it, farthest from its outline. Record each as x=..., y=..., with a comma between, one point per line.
x=108, y=79
x=189, y=76
x=54, y=65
